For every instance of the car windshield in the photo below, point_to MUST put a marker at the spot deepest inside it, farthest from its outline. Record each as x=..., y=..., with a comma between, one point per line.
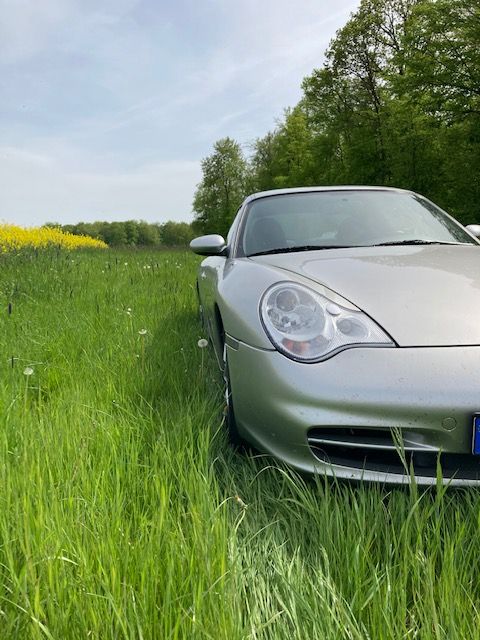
x=348, y=218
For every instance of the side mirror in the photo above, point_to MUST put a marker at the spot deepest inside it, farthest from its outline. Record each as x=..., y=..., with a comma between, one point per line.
x=474, y=229
x=212, y=245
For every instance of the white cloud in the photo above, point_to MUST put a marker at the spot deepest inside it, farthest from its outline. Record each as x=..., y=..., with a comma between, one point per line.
x=30, y=26
x=26, y=27
x=37, y=188
x=107, y=107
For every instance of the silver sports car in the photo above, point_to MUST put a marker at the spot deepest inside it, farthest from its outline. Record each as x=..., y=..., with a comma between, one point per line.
x=346, y=322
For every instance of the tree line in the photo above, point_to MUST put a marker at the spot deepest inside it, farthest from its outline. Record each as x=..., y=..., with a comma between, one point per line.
x=134, y=233
x=396, y=103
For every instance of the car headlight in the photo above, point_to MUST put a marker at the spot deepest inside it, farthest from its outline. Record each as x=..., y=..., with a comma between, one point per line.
x=306, y=326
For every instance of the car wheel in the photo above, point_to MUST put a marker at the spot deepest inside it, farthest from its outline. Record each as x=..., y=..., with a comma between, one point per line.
x=232, y=431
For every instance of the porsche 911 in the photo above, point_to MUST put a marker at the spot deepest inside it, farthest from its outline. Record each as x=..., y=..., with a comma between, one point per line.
x=346, y=323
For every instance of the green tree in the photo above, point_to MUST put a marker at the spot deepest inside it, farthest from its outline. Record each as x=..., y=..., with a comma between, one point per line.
x=176, y=234
x=294, y=151
x=222, y=188
x=264, y=162
x=443, y=67
x=148, y=235
x=131, y=232
x=114, y=234
x=397, y=102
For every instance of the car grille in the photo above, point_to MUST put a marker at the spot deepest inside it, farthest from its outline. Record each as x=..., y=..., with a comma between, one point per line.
x=377, y=450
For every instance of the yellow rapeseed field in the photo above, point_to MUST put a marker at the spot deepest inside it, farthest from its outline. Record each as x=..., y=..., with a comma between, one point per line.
x=14, y=238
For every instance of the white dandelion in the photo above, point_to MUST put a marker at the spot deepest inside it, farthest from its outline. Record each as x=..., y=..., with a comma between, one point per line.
x=27, y=372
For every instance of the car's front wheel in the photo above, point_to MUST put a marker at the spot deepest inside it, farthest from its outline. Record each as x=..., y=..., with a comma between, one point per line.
x=234, y=436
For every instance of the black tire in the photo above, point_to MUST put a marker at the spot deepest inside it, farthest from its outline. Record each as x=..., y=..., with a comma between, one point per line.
x=233, y=435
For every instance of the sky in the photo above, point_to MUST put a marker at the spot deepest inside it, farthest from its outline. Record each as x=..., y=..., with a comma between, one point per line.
x=108, y=106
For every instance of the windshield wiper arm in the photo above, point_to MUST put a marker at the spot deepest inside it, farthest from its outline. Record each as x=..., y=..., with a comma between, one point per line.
x=307, y=247
x=406, y=242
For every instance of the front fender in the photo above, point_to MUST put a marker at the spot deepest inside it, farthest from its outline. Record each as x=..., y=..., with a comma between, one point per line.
x=241, y=284
x=239, y=292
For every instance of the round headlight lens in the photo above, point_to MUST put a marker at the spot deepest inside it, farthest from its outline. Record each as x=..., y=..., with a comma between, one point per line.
x=352, y=328
x=306, y=326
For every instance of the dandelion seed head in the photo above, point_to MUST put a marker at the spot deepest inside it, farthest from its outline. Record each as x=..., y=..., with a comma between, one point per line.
x=143, y=332
x=27, y=371
x=239, y=501
x=202, y=343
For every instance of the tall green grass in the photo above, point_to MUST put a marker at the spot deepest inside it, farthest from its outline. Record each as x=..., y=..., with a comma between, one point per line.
x=124, y=513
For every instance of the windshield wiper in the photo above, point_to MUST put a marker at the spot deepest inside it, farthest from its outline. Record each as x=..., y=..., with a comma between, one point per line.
x=400, y=242
x=307, y=247
x=313, y=247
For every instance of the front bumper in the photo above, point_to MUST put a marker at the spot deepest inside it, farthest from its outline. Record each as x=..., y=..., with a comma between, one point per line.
x=337, y=417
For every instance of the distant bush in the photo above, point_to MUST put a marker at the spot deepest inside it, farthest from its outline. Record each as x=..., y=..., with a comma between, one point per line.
x=132, y=233
x=176, y=233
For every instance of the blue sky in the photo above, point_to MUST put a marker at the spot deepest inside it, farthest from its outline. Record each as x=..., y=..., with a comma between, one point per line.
x=108, y=106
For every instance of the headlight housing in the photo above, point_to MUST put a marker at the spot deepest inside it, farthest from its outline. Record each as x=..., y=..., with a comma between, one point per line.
x=308, y=327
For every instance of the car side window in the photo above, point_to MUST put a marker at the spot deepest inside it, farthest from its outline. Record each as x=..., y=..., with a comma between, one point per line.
x=233, y=228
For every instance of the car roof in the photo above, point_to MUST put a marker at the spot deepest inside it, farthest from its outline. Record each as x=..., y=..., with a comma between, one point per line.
x=280, y=192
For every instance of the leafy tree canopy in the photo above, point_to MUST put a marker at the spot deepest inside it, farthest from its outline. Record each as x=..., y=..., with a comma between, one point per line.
x=396, y=102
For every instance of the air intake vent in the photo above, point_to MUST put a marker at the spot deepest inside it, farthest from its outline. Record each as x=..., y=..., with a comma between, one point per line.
x=375, y=450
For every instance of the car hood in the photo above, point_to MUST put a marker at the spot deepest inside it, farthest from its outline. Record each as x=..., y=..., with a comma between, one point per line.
x=421, y=295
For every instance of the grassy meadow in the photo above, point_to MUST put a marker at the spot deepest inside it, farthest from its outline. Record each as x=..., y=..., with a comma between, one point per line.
x=125, y=514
